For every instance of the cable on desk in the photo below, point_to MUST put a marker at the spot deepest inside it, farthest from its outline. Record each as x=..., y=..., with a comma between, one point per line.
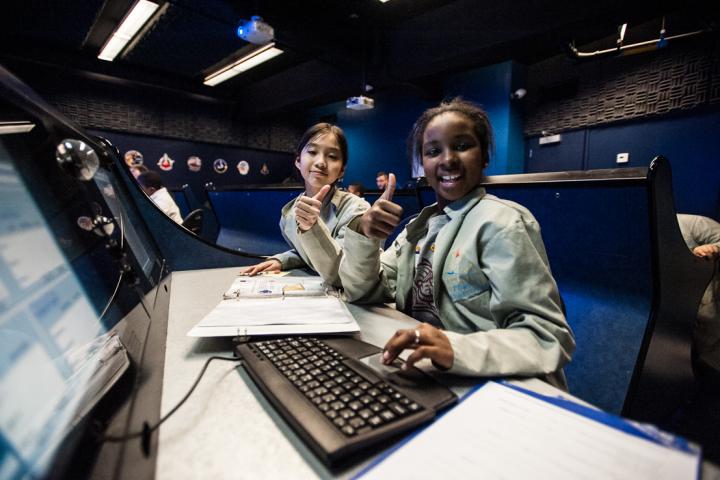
x=147, y=430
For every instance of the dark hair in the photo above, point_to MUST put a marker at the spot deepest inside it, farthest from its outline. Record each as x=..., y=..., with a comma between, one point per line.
x=381, y=174
x=150, y=179
x=321, y=129
x=359, y=186
x=478, y=116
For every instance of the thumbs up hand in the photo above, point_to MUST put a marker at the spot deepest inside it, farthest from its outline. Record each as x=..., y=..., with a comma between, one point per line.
x=382, y=218
x=307, y=209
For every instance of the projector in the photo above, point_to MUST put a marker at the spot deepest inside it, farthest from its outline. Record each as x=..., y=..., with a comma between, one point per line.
x=256, y=31
x=360, y=103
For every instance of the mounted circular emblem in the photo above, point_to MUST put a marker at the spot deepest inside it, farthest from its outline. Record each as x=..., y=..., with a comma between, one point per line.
x=243, y=167
x=220, y=165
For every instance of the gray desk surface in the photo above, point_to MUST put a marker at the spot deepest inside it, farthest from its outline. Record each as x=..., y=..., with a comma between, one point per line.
x=227, y=429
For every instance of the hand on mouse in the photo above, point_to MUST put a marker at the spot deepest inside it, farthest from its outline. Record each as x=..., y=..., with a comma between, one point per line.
x=426, y=341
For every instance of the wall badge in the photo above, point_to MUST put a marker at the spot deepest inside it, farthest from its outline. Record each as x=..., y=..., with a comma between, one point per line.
x=220, y=165
x=243, y=167
x=133, y=158
x=165, y=163
x=194, y=163
x=265, y=170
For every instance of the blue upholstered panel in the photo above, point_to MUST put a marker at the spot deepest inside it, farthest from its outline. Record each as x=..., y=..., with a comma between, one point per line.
x=181, y=202
x=597, y=240
x=427, y=196
x=249, y=218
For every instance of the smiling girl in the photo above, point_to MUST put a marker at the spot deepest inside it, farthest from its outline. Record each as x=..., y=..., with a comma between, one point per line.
x=471, y=267
x=314, y=224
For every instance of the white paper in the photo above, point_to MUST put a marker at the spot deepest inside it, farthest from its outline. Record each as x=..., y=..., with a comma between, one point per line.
x=277, y=311
x=269, y=287
x=276, y=316
x=499, y=432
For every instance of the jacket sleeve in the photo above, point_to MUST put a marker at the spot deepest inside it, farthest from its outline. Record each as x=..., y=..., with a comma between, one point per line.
x=706, y=231
x=324, y=250
x=533, y=337
x=367, y=275
x=289, y=260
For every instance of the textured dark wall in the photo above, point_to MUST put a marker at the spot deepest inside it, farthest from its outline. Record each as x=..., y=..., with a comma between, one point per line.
x=132, y=108
x=564, y=94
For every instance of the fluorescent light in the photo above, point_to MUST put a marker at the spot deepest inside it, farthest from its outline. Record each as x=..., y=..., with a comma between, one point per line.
x=247, y=62
x=128, y=28
x=15, y=127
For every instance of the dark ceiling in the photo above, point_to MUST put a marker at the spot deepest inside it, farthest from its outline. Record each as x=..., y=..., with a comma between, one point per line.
x=330, y=45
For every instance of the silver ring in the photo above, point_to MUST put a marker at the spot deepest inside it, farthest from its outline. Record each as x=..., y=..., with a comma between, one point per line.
x=417, y=336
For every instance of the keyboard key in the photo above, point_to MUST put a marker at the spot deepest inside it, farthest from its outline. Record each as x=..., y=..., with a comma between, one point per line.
x=348, y=430
x=375, y=421
x=397, y=408
x=387, y=415
x=357, y=422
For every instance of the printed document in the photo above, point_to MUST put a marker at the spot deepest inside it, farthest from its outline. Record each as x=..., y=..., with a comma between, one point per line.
x=277, y=306
x=499, y=432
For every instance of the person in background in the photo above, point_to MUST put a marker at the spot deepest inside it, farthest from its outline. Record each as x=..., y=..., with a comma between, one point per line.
x=151, y=184
x=137, y=170
x=702, y=236
x=381, y=180
x=472, y=267
x=356, y=189
x=314, y=223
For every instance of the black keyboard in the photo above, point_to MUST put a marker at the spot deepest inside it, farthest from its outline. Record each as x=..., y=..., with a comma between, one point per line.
x=336, y=403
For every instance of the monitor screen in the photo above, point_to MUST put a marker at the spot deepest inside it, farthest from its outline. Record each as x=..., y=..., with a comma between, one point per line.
x=48, y=334
x=137, y=242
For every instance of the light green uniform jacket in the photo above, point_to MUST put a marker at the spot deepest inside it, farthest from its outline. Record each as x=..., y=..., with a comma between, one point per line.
x=320, y=248
x=492, y=284
x=696, y=231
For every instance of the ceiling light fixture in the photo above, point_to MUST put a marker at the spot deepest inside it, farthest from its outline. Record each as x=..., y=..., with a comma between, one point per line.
x=253, y=59
x=138, y=15
x=15, y=127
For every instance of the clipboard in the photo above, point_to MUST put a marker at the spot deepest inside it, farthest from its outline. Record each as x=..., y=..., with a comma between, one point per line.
x=662, y=453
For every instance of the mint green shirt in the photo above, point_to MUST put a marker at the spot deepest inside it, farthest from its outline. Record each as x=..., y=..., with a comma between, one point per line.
x=498, y=302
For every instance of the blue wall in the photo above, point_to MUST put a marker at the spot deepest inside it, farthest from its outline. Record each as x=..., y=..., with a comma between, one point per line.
x=690, y=142
x=491, y=87
x=377, y=137
x=280, y=164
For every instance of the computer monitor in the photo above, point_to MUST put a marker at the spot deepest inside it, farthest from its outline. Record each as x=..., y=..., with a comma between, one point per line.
x=137, y=241
x=50, y=334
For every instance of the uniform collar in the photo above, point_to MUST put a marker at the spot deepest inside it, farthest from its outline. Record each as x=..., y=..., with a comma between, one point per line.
x=457, y=209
